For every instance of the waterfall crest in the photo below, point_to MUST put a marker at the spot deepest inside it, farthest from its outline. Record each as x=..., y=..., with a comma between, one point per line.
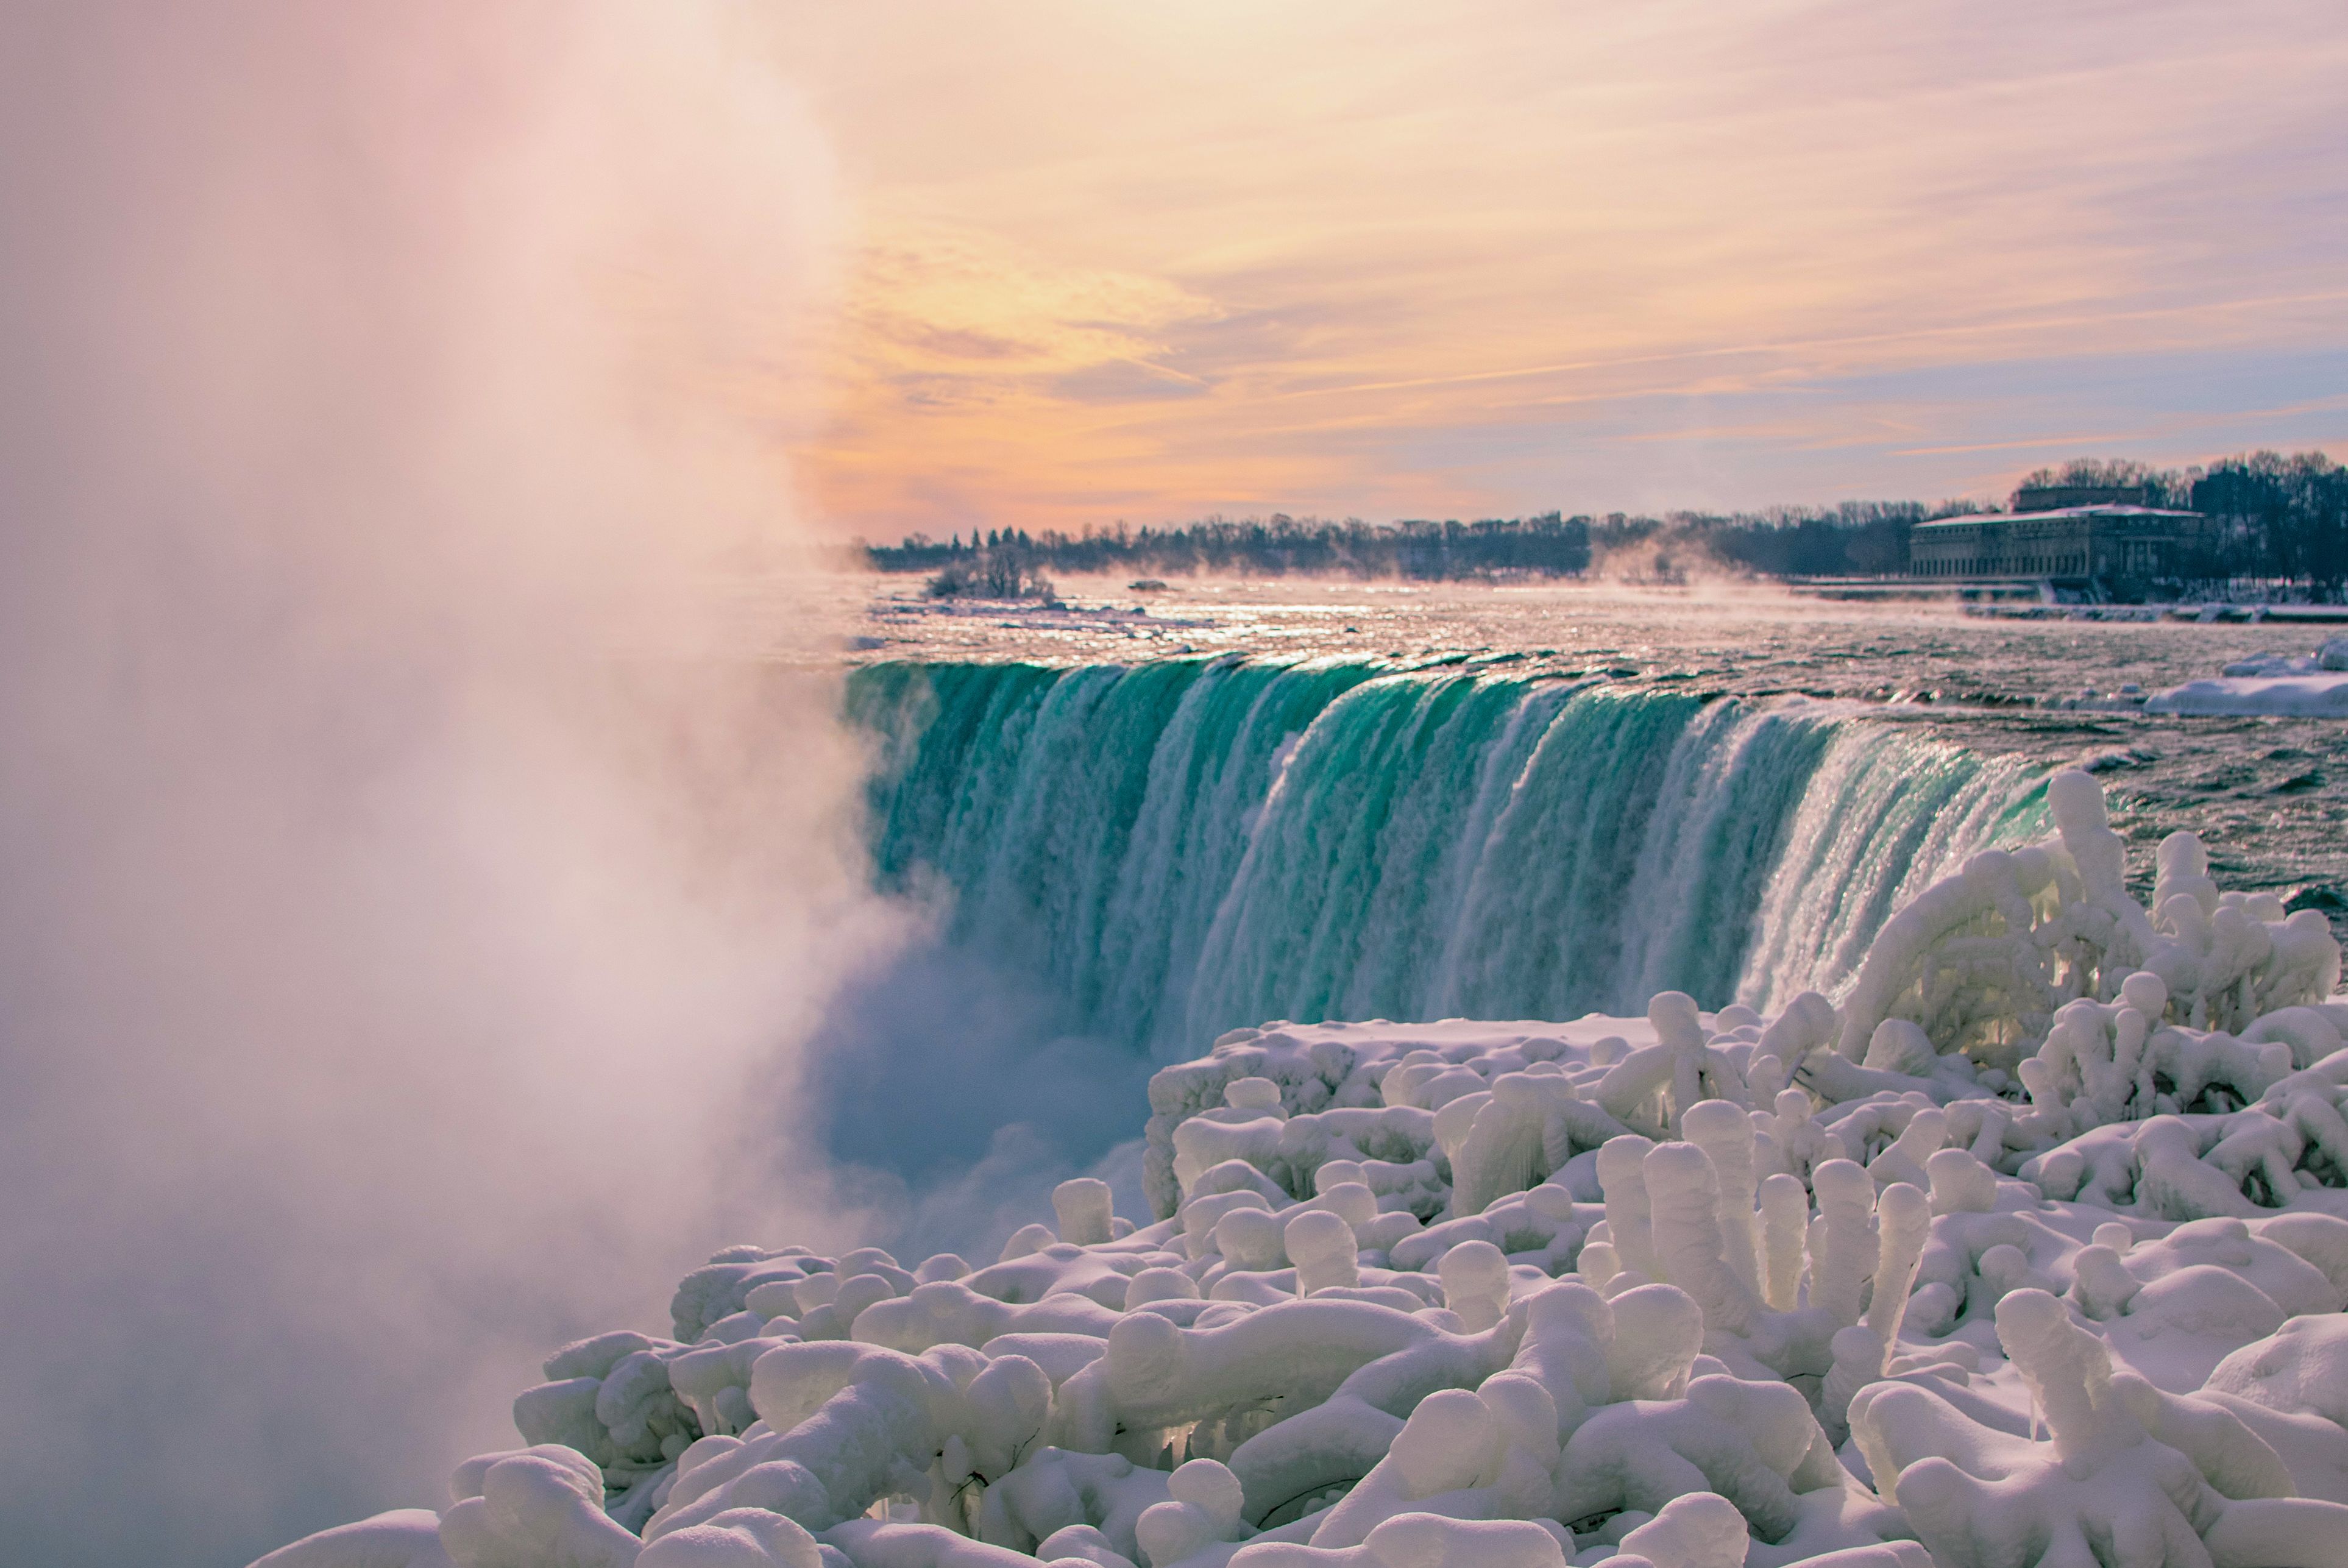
x=1180, y=848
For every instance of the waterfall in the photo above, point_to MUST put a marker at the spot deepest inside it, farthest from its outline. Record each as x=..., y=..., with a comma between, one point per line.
x=1178, y=848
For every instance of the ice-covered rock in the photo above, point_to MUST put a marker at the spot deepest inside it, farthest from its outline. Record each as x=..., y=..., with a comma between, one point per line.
x=539, y=1507
x=402, y=1538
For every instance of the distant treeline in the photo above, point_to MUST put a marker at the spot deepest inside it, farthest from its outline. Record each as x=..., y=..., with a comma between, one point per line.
x=1856, y=538
x=2281, y=520
x=2276, y=519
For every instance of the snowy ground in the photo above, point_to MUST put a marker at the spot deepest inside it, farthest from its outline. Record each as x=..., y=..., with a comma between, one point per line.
x=2030, y=1247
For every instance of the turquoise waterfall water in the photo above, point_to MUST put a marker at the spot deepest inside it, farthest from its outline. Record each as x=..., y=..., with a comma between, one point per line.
x=1178, y=848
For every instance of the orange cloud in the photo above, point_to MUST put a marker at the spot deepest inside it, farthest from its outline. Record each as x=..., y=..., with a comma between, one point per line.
x=1152, y=262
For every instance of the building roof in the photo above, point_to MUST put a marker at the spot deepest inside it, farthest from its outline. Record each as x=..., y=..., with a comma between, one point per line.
x=2141, y=513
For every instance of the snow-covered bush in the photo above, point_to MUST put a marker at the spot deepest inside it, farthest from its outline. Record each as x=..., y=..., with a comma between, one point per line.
x=2032, y=1248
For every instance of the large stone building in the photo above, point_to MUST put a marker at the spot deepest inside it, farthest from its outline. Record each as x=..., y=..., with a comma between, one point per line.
x=2098, y=550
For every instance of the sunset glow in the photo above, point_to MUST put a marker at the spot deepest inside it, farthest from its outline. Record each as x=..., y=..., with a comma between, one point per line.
x=1147, y=263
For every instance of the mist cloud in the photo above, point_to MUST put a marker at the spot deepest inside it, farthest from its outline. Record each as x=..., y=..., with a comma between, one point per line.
x=410, y=902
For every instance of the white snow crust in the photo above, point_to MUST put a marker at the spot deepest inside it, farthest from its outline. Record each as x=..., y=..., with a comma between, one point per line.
x=2030, y=1248
x=2292, y=686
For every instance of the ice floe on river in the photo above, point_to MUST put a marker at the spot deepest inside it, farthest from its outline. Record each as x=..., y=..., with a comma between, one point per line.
x=2032, y=1247
x=2284, y=686
x=2305, y=686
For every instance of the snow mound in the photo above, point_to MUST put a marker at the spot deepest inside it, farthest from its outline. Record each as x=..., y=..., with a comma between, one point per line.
x=2302, y=686
x=2331, y=656
x=2030, y=1247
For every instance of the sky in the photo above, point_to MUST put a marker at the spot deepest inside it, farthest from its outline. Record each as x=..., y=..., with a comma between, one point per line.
x=1105, y=262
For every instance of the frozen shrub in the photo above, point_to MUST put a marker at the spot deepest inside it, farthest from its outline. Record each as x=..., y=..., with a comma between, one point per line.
x=2033, y=1249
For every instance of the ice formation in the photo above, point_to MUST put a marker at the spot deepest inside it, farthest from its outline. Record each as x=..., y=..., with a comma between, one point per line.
x=2030, y=1249
x=2298, y=686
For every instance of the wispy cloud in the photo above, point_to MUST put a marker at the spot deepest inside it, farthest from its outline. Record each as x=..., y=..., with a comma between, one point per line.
x=1379, y=257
